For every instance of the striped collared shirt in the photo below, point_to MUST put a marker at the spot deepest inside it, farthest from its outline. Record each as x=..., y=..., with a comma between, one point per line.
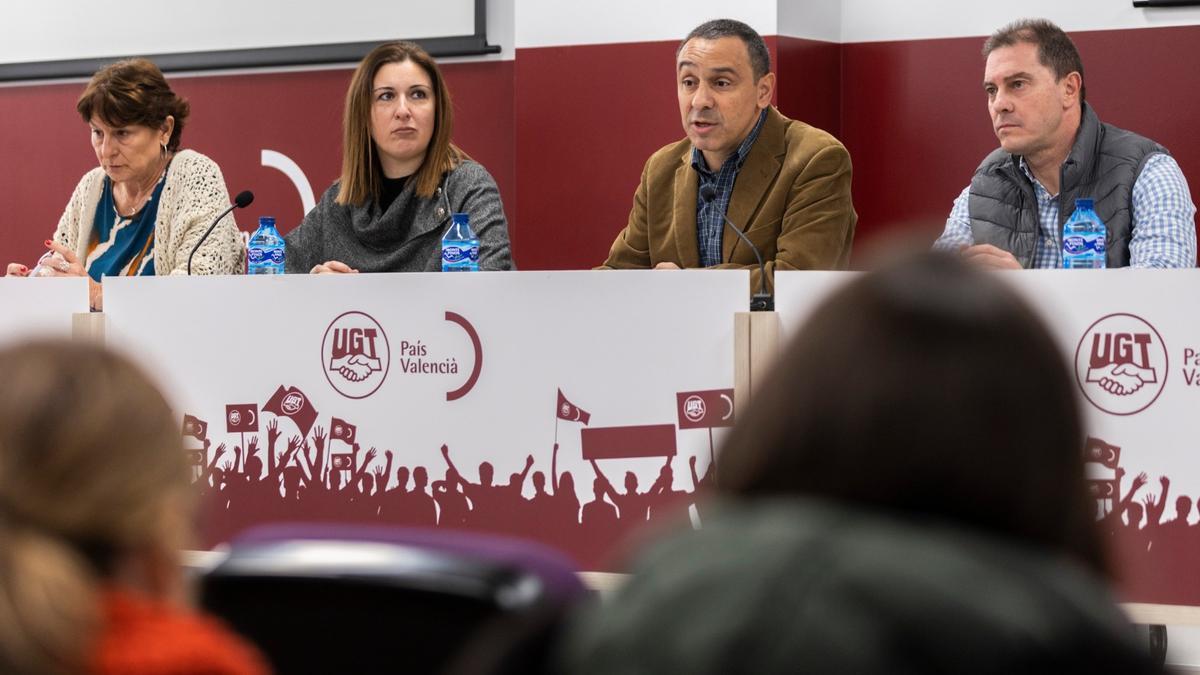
x=710, y=215
x=1164, y=220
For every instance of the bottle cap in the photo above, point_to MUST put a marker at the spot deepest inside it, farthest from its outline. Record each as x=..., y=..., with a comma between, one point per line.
x=1084, y=203
x=266, y=220
x=460, y=218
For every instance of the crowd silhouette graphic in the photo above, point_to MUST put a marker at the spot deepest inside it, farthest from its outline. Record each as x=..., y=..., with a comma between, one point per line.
x=1153, y=546
x=325, y=475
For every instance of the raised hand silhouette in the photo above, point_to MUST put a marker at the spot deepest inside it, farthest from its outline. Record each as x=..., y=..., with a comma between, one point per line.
x=1138, y=481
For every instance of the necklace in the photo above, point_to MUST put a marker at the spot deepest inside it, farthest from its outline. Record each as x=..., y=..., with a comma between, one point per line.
x=144, y=193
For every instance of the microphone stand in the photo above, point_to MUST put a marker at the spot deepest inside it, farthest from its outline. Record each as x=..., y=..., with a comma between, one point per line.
x=762, y=301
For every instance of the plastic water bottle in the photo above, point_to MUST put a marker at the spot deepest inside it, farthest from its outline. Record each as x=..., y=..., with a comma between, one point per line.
x=1083, y=238
x=265, y=254
x=460, y=246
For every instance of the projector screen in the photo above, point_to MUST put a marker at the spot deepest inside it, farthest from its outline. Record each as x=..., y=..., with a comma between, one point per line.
x=71, y=38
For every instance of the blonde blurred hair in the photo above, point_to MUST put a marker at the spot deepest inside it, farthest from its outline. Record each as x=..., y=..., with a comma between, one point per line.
x=92, y=470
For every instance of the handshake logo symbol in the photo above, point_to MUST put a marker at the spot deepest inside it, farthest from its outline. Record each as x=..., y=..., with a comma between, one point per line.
x=1121, y=364
x=355, y=355
x=1122, y=379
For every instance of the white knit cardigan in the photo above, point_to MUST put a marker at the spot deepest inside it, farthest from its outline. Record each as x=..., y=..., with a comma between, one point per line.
x=193, y=195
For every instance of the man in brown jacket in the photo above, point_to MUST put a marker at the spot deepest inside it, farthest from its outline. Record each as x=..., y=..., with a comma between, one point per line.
x=785, y=184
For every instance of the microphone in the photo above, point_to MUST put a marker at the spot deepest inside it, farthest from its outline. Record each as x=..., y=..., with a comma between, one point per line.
x=762, y=301
x=239, y=202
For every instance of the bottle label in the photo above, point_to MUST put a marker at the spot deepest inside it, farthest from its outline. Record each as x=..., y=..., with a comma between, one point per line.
x=451, y=254
x=1083, y=240
x=1075, y=244
x=277, y=256
x=254, y=255
x=1078, y=244
x=454, y=254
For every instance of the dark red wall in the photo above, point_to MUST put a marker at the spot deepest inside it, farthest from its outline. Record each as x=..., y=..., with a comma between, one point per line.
x=234, y=118
x=44, y=149
x=914, y=115
x=809, y=82
x=914, y=120
x=566, y=130
x=589, y=117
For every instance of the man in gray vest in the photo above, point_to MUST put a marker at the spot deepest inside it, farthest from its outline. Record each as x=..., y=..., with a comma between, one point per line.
x=1053, y=149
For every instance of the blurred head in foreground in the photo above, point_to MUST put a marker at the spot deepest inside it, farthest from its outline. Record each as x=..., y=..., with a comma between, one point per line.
x=926, y=389
x=905, y=494
x=94, y=496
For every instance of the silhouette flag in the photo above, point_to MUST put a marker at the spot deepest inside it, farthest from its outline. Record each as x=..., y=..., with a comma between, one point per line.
x=705, y=409
x=570, y=412
x=1097, y=450
x=343, y=431
x=195, y=427
x=292, y=403
x=1103, y=488
x=342, y=461
x=648, y=440
x=241, y=418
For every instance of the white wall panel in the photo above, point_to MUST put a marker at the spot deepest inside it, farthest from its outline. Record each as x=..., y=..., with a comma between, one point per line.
x=886, y=20
x=501, y=32
x=554, y=23
x=811, y=19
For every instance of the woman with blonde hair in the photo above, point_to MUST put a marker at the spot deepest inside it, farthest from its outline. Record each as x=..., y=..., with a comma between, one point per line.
x=401, y=178
x=95, y=506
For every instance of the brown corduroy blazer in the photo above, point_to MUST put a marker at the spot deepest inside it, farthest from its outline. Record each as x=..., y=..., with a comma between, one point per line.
x=791, y=198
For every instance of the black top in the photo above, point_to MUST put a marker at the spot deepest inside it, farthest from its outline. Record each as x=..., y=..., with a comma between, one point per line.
x=389, y=189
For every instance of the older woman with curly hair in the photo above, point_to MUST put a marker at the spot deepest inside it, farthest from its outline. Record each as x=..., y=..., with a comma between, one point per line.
x=143, y=210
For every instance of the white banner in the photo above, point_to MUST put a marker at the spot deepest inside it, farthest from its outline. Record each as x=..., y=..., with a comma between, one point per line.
x=495, y=366
x=1133, y=337
x=40, y=307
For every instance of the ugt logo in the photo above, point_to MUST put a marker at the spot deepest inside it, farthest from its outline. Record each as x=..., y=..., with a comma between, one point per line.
x=355, y=355
x=292, y=404
x=1121, y=364
x=694, y=408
